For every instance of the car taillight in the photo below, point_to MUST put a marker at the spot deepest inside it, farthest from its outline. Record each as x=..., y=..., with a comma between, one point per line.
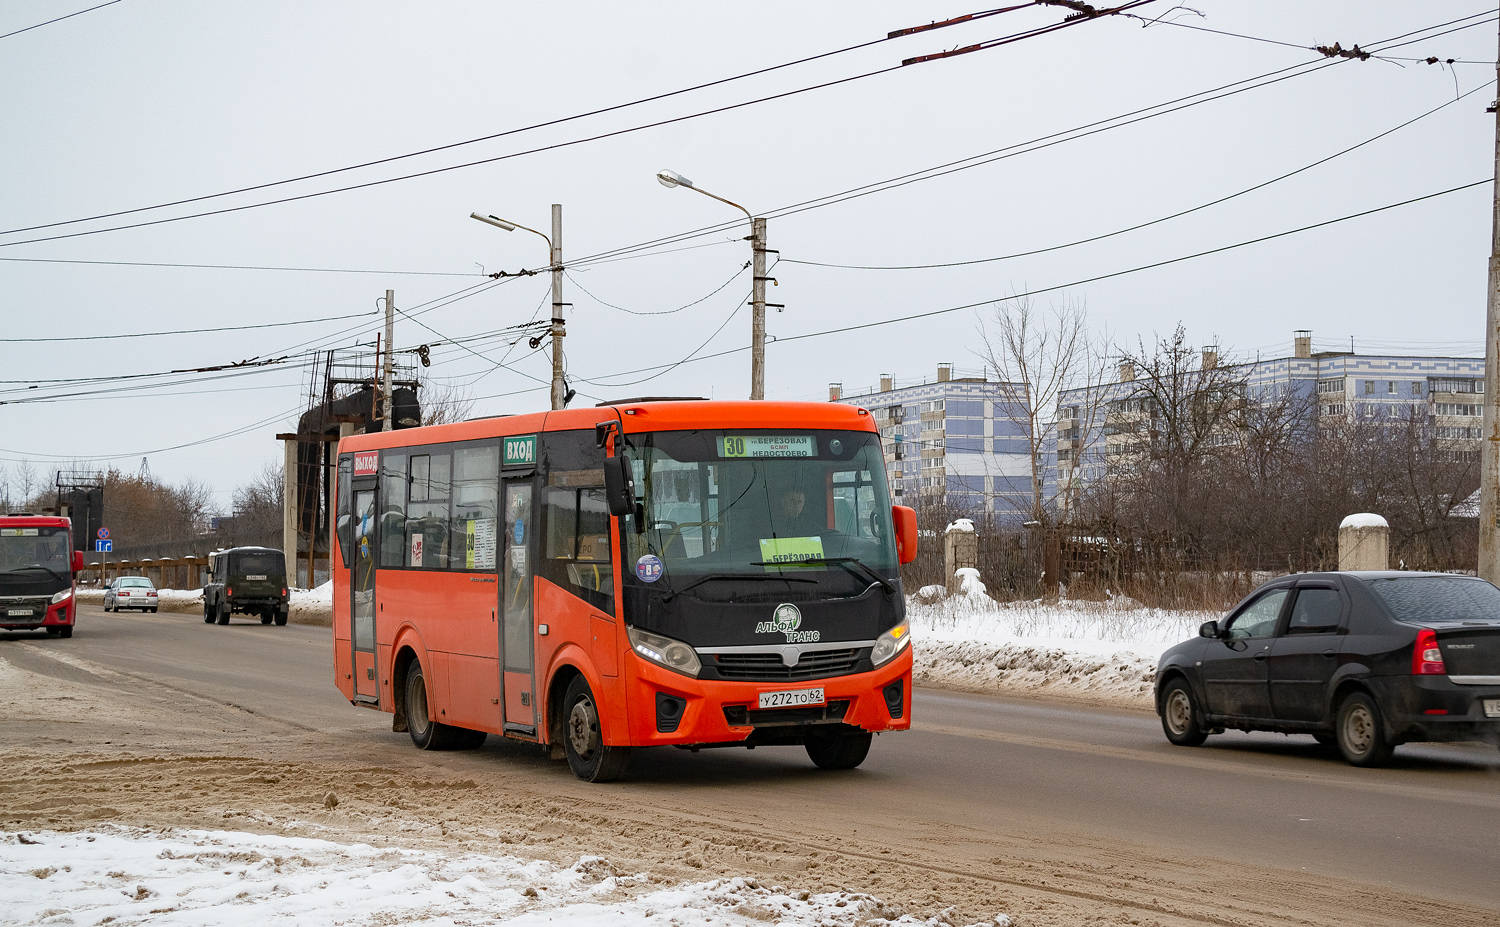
x=229, y=590
x=126, y=594
x=1426, y=658
x=283, y=590
x=152, y=593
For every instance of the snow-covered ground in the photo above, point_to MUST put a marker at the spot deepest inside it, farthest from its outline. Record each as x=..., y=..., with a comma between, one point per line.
x=1106, y=650
x=127, y=876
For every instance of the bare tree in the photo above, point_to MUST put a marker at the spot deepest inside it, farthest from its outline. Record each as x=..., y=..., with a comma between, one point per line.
x=444, y=405
x=258, y=504
x=1041, y=355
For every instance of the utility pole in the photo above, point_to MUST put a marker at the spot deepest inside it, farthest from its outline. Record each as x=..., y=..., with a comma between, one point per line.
x=758, y=310
x=558, y=396
x=390, y=325
x=1489, y=461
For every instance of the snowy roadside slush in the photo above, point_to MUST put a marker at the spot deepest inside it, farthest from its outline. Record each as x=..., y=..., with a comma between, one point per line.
x=1100, y=651
x=123, y=875
x=309, y=606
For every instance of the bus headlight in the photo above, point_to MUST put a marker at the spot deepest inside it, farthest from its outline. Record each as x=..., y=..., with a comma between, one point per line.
x=890, y=643
x=63, y=596
x=664, y=651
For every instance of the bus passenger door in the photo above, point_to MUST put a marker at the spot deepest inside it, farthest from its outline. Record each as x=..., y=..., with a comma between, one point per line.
x=517, y=630
x=362, y=599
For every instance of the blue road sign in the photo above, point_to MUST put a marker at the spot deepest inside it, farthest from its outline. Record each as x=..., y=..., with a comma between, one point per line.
x=103, y=533
x=104, y=547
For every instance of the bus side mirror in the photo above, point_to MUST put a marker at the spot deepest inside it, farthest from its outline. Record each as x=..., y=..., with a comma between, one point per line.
x=905, y=519
x=77, y=561
x=619, y=485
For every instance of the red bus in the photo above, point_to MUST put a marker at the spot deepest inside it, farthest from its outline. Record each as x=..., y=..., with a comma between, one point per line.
x=37, y=568
x=684, y=573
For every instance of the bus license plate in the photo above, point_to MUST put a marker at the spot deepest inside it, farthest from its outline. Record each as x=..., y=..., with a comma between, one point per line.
x=1492, y=708
x=19, y=613
x=792, y=698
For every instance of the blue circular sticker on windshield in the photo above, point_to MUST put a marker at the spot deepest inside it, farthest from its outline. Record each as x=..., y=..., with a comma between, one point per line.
x=648, y=568
x=520, y=531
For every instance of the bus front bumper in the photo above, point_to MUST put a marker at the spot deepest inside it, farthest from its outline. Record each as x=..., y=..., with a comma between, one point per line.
x=669, y=709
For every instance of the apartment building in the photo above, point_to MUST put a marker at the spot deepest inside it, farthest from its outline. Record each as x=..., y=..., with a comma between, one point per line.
x=958, y=439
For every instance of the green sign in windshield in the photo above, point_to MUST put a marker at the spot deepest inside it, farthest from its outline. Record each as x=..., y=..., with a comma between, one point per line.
x=768, y=446
x=790, y=550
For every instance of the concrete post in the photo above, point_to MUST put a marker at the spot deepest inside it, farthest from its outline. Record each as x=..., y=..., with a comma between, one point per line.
x=960, y=549
x=1364, y=543
x=289, y=511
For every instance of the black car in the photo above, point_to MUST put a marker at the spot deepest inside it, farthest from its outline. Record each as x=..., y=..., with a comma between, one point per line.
x=249, y=580
x=1366, y=661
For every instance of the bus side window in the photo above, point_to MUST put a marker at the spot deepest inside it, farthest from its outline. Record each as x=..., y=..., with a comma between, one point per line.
x=476, y=472
x=576, y=555
x=392, y=534
x=427, y=535
x=345, y=504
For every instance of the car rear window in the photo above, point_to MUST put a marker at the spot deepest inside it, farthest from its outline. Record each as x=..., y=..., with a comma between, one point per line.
x=258, y=563
x=1417, y=599
x=136, y=581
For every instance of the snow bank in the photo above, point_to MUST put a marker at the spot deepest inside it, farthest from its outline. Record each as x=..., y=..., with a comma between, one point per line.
x=225, y=879
x=308, y=606
x=1106, y=650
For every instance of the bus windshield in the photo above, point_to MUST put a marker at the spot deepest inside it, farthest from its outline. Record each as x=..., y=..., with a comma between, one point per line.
x=34, y=549
x=725, y=510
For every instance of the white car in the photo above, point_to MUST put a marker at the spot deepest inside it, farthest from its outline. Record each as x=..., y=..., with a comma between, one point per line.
x=130, y=592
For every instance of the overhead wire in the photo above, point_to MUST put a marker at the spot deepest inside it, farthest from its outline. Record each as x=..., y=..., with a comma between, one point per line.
x=1176, y=215
x=301, y=270
x=1031, y=33
x=60, y=19
x=714, y=292
x=1077, y=132
x=491, y=137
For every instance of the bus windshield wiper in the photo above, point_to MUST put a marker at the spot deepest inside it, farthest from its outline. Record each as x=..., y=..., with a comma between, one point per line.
x=37, y=566
x=762, y=577
x=852, y=564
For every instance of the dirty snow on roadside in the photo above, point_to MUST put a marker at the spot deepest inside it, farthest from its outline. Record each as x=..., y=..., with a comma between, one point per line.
x=1103, y=649
x=127, y=876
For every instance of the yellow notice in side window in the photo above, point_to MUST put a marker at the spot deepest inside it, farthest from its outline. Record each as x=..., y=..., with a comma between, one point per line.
x=790, y=550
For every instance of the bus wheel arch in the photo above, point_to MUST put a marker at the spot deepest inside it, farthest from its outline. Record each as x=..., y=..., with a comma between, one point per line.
x=405, y=657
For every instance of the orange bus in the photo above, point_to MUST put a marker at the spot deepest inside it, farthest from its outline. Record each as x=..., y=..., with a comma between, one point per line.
x=684, y=573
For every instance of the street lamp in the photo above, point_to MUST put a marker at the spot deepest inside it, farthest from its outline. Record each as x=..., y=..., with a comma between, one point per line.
x=670, y=179
x=554, y=251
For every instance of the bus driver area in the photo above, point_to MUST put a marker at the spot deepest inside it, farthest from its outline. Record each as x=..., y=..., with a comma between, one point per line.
x=695, y=574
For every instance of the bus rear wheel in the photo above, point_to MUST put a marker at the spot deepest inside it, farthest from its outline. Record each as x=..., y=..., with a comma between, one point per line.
x=840, y=749
x=426, y=733
x=590, y=758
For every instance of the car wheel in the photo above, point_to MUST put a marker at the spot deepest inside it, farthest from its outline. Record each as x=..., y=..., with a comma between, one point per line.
x=1179, y=715
x=1361, y=731
x=223, y=613
x=51, y=631
x=844, y=749
x=208, y=613
x=281, y=618
x=153, y=609
x=590, y=758
x=265, y=617
x=65, y=631
x=426, y=733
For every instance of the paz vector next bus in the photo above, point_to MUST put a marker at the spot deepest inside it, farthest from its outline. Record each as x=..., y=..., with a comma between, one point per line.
x=684, y=573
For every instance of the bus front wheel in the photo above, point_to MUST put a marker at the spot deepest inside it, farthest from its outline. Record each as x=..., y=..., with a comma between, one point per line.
x=843, y=749
x=583, y=738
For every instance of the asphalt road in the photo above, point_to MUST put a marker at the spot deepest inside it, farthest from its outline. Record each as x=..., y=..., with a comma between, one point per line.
x=973, y=770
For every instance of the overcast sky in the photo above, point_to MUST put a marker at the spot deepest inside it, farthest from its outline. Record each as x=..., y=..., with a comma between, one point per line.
x=144, y=102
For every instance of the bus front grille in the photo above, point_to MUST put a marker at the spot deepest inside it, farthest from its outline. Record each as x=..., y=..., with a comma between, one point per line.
x=745, y=716
x=768, y=667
